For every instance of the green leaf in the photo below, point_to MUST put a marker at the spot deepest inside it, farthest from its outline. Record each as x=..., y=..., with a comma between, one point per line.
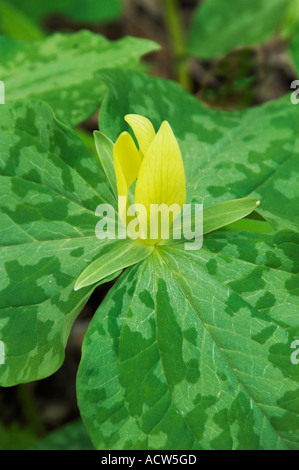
x=104, y=148
x=193, y=350
x=291, y=19
x=87, y=139
x=17, y=25
x=50, y=187
x=225, y=213
x=65, y=80
x=216, y=217
x=124, y=254
x=250, y=153
x=72, y=436
x=250, y=225
x=217, y=28
x=294, y=49
x=82, y=10
x=14, y=437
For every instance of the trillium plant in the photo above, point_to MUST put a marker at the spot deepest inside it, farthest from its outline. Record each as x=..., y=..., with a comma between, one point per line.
x=156, y=167
x=191, y=213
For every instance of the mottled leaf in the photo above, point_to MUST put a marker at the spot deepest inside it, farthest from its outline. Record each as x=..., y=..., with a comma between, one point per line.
x=193, y=350
x=50, y=187
x=104, y=148
x=251, y=153
x=218, y=27
x=60, y=69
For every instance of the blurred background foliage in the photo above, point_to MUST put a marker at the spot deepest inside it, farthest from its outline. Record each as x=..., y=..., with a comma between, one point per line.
x=230, y=55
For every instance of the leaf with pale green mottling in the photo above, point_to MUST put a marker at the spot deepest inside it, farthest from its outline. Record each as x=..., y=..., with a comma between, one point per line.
x=219, y=27
x=60, y=70
x=104, y=147
x=50, y=187
x=251, y=153
x=191, y=350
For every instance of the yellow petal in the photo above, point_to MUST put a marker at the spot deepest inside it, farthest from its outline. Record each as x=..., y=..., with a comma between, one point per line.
x=161, y=178
x=143, y=130
x=127, y=163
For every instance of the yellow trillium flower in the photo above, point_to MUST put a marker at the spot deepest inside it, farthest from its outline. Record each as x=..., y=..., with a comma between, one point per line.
x=157, y=166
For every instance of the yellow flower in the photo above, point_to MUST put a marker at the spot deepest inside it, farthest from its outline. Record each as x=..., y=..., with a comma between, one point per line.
x=157, y=166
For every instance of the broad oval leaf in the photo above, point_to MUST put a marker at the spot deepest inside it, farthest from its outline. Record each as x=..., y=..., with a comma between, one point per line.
x=50, y=187
x=193, y=351
x=64, y=80
x=251, y=153
x=218, y=28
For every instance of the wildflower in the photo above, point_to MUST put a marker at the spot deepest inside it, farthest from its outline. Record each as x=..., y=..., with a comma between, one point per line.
x=157, y=167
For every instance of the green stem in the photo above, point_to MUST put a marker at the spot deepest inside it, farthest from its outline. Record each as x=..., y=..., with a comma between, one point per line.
x=176, y=32
x=30, y=413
